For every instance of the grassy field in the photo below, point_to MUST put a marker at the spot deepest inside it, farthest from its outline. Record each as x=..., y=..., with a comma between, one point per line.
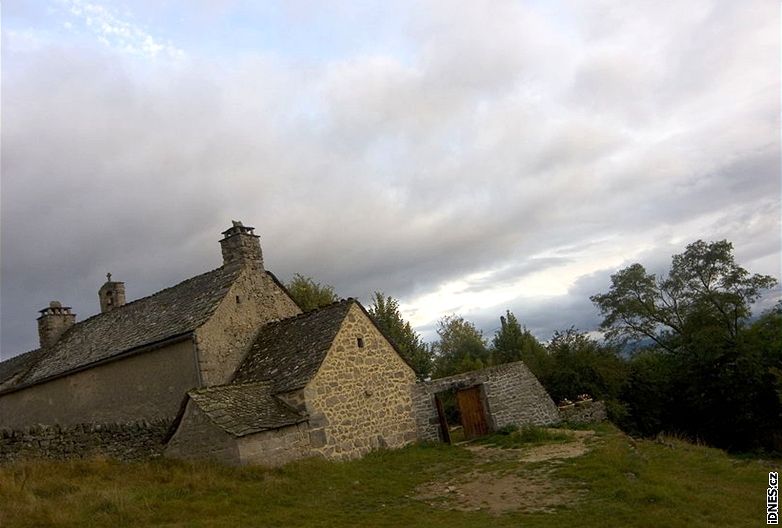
x=617, y=482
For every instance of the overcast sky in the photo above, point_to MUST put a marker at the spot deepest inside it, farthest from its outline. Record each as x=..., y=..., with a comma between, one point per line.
x=464, y=157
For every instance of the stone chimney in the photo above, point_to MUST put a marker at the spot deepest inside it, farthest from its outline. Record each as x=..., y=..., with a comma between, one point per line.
x=111, y=294
x=53, y=323
x=241, y=246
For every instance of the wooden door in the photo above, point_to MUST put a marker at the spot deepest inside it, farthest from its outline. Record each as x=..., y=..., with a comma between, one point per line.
x=471, y=410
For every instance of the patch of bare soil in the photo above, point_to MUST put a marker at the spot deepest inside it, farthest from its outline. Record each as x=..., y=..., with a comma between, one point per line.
x=520, y=488
x=572, y=449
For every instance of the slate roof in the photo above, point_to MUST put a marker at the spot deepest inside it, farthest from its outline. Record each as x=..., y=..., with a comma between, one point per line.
x=290, y=352
x=244, y=408
x=172, y=312
x=17, y=365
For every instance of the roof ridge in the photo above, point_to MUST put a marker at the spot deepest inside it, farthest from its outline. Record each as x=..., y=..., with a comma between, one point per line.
x=173, y=311
x=135, y=301
x=119, y=309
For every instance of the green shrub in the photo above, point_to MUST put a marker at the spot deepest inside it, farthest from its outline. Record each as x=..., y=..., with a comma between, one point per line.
x=513, y=437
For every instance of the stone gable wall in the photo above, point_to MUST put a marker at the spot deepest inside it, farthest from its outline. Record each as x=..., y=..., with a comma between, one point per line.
x=360, y=398
x=276, y=447
x=197, y=438
x=147, y=386
x=512, y=396
x=127, y=441
x=224, y=340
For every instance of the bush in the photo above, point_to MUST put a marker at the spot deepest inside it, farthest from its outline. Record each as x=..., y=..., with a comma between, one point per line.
x=510, y=437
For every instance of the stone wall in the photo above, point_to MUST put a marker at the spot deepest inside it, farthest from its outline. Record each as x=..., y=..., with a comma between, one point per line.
x=512, y=396
x=275, y=447
x=253, y=300
x=147, y=386
x=587, y=412
x=197, y=438
x=360, y=398
x=129, y=441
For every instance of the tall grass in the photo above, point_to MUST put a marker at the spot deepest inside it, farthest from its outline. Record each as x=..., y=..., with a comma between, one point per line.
x=622, y=482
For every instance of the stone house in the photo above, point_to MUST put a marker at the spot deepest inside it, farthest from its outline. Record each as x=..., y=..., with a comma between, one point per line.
x=227, y=362
x=228, y=359
x=326, y=382
x=135, y=361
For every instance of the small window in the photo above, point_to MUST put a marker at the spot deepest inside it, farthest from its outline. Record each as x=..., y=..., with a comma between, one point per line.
x=360, y=342
x=238, y=300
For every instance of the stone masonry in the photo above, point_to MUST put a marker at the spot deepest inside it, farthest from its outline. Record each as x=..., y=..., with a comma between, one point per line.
x=512, y=396
x=584, y=412
x=360, y=398
x=253, y=300
x=146, y=386
x=275, y=447
x=124, y=441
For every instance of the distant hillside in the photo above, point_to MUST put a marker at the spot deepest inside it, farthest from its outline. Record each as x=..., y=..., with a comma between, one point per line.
x=633, y=346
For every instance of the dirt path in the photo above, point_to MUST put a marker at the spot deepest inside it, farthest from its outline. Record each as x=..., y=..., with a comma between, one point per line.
x=506, y=480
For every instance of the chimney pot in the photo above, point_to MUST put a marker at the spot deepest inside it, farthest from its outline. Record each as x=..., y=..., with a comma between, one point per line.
x=241, y=246
x=54, y=321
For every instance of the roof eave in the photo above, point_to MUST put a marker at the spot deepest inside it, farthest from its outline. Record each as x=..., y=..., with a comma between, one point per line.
x=264, y=429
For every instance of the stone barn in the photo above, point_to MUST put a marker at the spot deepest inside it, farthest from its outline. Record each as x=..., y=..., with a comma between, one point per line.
x=487, y=400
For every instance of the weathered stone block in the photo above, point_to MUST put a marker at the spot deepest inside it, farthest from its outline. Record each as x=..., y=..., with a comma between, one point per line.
x=317, y=438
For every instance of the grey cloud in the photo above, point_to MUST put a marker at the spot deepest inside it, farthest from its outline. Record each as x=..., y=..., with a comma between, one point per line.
x=505, y=134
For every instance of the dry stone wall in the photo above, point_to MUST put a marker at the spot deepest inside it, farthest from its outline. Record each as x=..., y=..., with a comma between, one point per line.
x=512, y=396
x=128, y=441
x=360, y=398
x=587, y=412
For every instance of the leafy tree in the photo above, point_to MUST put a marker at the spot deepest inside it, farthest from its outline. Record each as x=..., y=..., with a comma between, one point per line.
x=309, y=294
x=710, y=375
x=385, y=312
x=648, y=393
x=765, y=335
x=762, y=341
x=578, y=364
x=461, y=347
x=514, y=343
x=705, y=295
